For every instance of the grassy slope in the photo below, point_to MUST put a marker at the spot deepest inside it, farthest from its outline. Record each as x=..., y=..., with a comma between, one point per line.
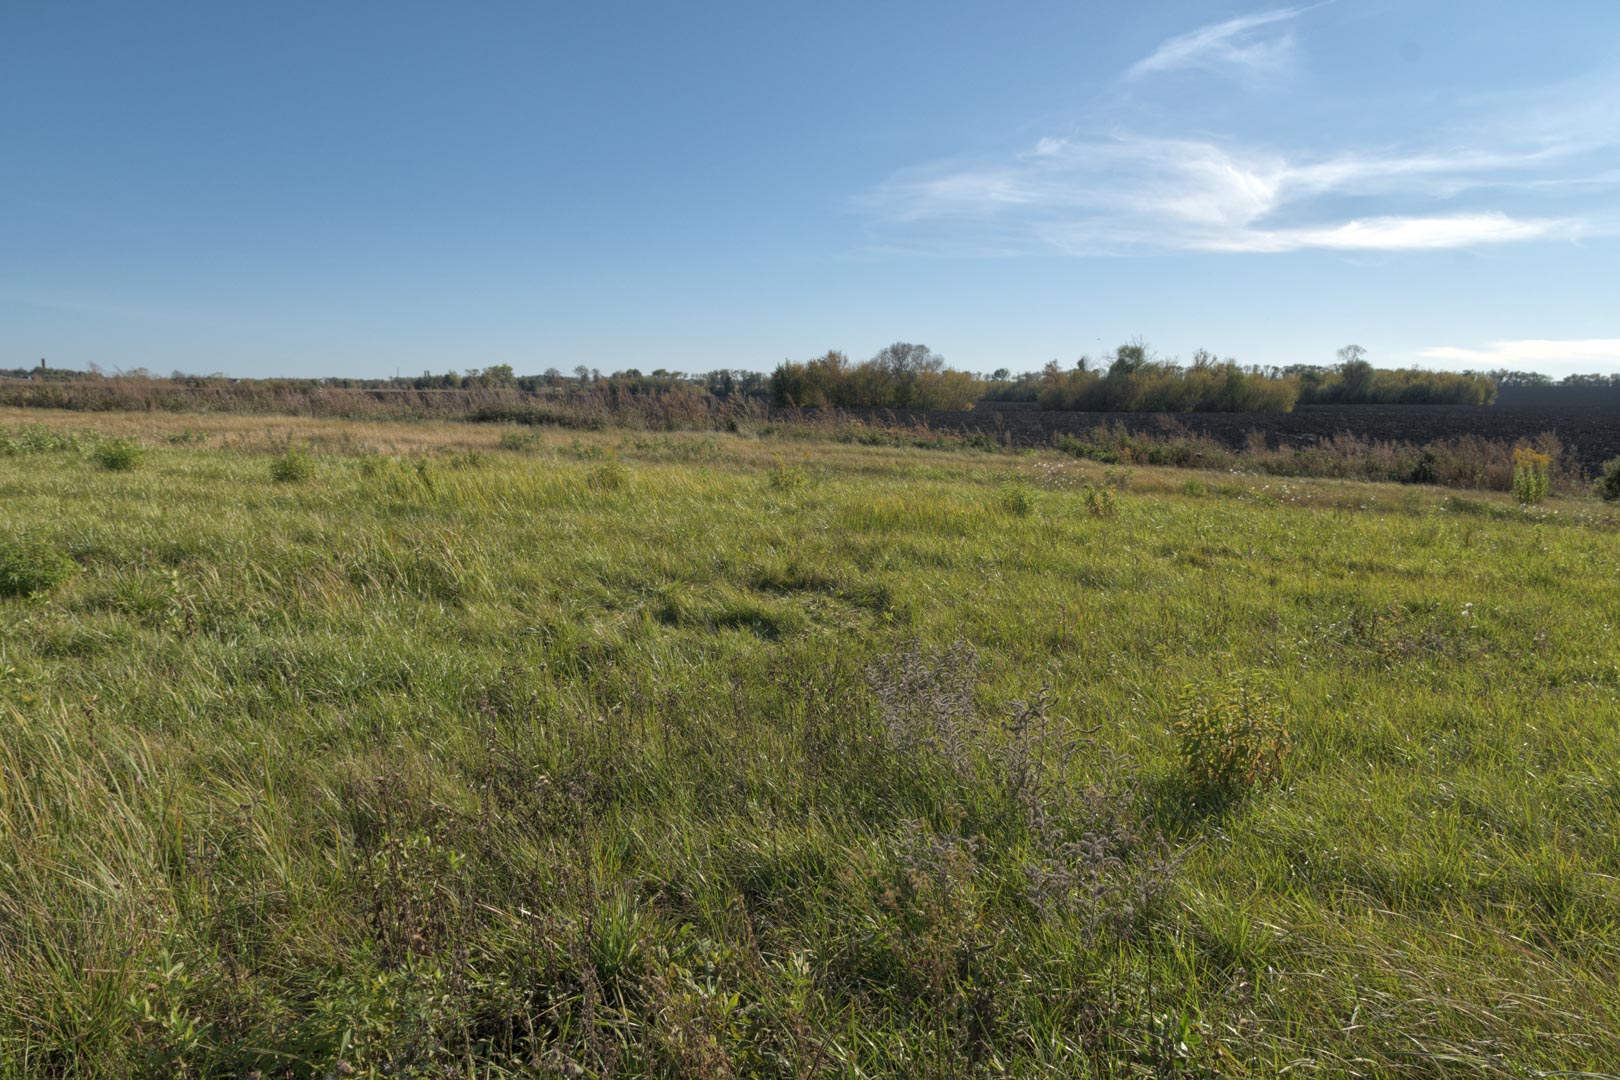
x=511, y=760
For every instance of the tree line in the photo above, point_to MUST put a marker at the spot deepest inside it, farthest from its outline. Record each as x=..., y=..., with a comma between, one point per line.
x=909, y=376
x=1354, y=381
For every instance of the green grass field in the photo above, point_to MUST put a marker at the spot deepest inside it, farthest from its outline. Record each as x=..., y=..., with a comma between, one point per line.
x=438, y=750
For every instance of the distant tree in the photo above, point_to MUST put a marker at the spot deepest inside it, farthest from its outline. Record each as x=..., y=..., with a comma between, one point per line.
x=720, y=383
x=1355, y=375
x=1130, y=358
x=496, y=375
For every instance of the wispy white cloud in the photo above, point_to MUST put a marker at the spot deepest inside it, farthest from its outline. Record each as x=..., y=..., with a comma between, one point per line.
x=1557, y=356
x=1239, y=43
x=1503, y=173
x=1134, y=193
x=1412, y=233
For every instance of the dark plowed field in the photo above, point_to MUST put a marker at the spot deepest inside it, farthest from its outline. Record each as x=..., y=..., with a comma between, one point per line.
x=1592, y=435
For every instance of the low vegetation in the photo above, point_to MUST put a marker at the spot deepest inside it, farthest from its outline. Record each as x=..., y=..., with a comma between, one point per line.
x=293, y=465
x=1462, y=462
x=1608, y=482
x=1532, y=475
x=508, y=752
x=30, y=565
x=117, y=455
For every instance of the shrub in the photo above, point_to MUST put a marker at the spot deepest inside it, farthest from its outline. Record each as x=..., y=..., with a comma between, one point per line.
x=1608, y=483
x=520, y=439
x=1100, y=500
x=609, y=475
x=785, y=477
x=118, y=455
x=29, y=566
x=292, y=466
x=1532, y=475
x=1092, y=451
x=1232, y=736
x=979, y=441
x=1016, y=498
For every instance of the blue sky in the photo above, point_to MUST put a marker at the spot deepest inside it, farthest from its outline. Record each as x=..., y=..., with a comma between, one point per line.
x=310, y=189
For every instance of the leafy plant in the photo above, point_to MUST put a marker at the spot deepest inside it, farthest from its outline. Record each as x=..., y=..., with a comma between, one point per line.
x=1100, y=500
x=1232, y=736
x=291, y=466
x=118, y=455
x=1017, y=498
x=785, y=477
x=520, y=439
x=28, y=565
x=1532, y=475
x=609, y=475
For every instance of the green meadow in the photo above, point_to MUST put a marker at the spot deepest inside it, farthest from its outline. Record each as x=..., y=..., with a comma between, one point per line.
x=354, y=749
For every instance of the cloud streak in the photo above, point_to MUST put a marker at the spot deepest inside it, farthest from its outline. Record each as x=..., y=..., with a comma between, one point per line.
x=1131, y=193
x=1500, y=175
x=1413, y=233
x=1233, y=43
x=1566, y=356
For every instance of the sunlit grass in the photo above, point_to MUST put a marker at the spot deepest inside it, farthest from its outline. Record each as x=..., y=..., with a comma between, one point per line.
x=486, y=755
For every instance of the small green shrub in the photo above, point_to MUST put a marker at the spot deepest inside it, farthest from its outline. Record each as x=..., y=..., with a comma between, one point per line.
x=293, y=465
x=520, y=440
x=1608, y=483
x=1232, y=736
x=1100, y=500
x=785, y=477
x=118, y=455
x=978, y=440
x=1532, y=475
x=609, y=475
x=1017, y=498
x=29, y=566
x=1091, y=451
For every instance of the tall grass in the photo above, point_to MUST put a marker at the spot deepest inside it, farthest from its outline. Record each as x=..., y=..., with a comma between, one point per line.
x=622, y=757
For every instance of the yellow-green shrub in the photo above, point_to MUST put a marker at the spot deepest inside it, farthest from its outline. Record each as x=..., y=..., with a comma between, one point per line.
x=1232, y=735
